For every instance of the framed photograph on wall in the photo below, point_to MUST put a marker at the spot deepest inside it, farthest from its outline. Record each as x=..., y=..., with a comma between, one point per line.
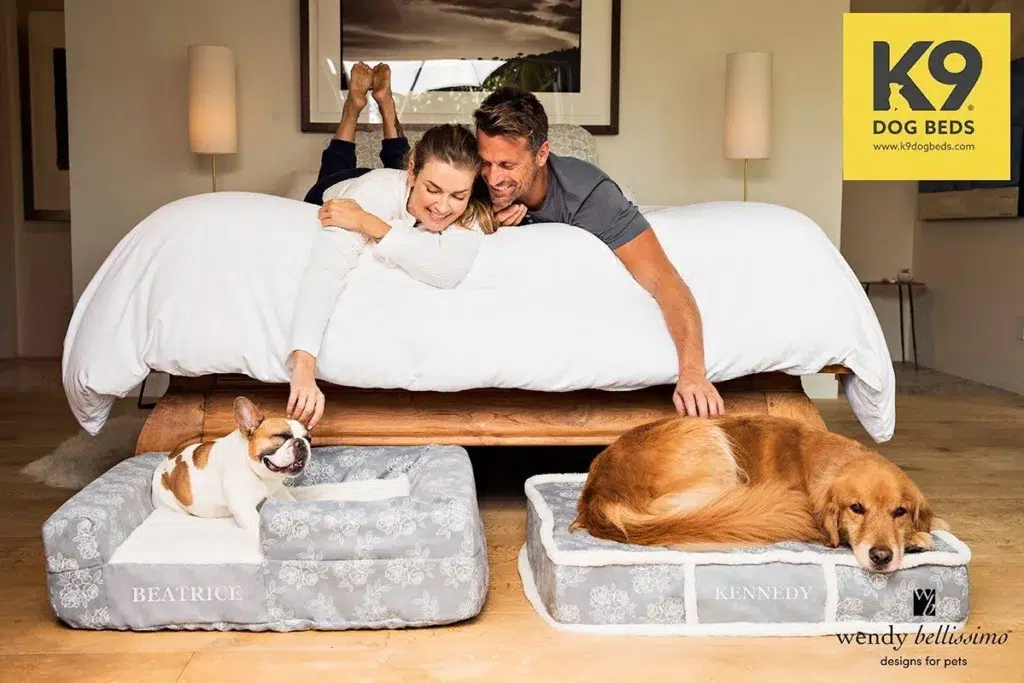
x=44, y=117
x=447, y=55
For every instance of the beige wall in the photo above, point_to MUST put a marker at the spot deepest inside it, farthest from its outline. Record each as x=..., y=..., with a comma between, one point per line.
x=974, y=312
x=971, y=316
x=878, y=241
x=128, y=127
x=36, y=263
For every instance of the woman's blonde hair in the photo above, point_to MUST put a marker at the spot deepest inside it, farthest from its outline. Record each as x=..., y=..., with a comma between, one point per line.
x=454, y=144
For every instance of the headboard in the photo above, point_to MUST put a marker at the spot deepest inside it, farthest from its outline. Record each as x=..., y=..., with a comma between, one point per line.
x=566, y=140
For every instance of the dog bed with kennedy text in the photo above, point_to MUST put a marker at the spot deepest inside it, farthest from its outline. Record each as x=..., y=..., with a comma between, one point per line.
x=410, y=552
x=580, y=583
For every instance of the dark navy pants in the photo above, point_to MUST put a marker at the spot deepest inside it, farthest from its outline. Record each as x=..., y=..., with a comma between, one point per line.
x=338, y=163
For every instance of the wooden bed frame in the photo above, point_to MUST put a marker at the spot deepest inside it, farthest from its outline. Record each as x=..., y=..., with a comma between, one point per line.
x=201, y=408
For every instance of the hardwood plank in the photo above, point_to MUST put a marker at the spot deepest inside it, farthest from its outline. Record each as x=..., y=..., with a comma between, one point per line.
x=129, y=667
x=468, y=418
x=473, y=418
x=175, y=419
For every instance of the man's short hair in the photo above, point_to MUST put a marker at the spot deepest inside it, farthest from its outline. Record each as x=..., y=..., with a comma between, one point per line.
x=513, y=112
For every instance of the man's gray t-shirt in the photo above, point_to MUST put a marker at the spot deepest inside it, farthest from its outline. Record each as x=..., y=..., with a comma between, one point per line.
x=583, y=195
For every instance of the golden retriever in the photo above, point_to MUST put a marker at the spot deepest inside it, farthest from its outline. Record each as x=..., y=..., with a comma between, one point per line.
x=697, y=483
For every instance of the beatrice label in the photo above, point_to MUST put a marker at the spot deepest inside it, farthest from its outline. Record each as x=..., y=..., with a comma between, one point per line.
x=186, y=593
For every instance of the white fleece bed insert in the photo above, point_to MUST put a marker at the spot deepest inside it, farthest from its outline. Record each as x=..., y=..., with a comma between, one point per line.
x=586, y=585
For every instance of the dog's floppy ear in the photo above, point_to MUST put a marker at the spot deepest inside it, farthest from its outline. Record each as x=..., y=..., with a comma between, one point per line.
x=247, y=415
x=922, y=517
x=826, y=514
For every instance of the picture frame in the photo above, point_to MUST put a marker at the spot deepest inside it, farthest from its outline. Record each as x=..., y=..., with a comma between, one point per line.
x=42, y=62
x=584, y=91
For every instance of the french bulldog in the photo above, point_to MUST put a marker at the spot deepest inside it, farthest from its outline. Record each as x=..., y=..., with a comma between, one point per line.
x=232, y=475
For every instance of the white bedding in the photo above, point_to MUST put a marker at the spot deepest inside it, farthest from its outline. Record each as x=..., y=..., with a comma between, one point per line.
x=207, y=284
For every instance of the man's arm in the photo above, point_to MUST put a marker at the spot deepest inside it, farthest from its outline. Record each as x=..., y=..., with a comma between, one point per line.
x=647, y=263
x=619, y=224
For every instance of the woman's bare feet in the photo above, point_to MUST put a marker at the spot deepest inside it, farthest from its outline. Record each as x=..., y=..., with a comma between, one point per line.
x=358, y=86
x=381, y=83
x=385, y=100
x=360, y=82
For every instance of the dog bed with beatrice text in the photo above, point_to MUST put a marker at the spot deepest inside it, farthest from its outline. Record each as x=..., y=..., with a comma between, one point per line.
x=580, y=583
x=414, y=559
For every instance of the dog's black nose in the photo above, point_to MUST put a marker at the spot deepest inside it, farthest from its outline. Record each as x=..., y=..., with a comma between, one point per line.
x=880, y=556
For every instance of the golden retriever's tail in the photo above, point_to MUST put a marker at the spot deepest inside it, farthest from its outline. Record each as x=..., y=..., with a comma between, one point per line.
x=761, y=513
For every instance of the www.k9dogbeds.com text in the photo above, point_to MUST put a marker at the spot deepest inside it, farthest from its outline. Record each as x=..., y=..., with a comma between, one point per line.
x=945, y=637
x=926, y=96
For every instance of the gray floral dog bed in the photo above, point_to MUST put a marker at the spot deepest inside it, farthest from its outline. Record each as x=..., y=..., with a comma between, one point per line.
x=579, y=583
x=415, y=559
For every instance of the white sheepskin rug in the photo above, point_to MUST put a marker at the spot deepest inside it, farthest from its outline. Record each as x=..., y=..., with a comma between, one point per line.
x=83, y=458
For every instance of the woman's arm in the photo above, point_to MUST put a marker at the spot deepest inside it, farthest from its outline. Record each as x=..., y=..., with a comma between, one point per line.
x=334, y=253
x=437, y=259
x=440, y=259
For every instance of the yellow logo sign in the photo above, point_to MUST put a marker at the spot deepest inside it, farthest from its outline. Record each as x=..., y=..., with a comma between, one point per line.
x=926, y=96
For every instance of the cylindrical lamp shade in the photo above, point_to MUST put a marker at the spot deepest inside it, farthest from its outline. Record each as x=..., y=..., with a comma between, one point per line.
x=748, y=105
x=212, y=122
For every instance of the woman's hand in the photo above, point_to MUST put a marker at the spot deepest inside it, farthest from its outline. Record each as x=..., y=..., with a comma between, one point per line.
x=305, y=401
x=343, y=213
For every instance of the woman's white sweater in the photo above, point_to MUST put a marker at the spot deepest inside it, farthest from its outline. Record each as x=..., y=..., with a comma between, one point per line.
x=438, y=259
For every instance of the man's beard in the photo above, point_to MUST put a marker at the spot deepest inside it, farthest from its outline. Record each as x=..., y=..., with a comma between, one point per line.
x=503, y=200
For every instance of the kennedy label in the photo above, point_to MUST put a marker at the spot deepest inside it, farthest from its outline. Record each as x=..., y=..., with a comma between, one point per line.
x=186, y=593
x=762, y=593
x=926, y=96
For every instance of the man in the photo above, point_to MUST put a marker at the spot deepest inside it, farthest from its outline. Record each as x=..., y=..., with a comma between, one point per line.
x=529, y=184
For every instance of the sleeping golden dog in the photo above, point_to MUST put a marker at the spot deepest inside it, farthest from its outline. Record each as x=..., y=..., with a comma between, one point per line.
x=699, y=483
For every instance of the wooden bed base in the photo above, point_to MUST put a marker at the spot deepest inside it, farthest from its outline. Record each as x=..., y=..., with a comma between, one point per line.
x=201, y=408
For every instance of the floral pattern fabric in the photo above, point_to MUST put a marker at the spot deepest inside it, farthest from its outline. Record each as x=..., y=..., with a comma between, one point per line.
x=415, y=560
x=638, y=592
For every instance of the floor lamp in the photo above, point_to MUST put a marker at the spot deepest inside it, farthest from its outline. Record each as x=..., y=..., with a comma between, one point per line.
x=212, y=119
x=748, y=107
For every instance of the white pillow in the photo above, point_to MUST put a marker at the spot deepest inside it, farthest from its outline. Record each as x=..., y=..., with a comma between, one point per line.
x=298, y=183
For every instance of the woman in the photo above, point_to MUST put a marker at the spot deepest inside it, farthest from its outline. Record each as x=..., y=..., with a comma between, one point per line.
x=426, y=217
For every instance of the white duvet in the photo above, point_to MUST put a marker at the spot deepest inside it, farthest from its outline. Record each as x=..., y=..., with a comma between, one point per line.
x=207, y=284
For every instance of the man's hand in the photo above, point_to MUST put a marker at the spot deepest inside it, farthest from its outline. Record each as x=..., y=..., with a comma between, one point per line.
x=696, y=396
x=511, y=215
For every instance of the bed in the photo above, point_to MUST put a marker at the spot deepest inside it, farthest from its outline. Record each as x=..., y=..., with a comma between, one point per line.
x=548, y=340
x=386, y=537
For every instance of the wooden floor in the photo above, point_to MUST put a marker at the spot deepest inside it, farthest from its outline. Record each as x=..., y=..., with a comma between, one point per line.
x=964, y=445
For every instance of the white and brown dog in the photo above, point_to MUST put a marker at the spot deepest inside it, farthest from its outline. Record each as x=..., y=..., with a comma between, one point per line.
x=230, y=476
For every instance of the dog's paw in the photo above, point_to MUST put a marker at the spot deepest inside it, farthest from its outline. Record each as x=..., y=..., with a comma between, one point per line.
x=250, y=521
x=919, y=542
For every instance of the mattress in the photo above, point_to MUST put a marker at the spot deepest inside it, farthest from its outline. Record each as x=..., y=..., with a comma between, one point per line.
x=545, y=307
x=409, y=552
x=579, y=583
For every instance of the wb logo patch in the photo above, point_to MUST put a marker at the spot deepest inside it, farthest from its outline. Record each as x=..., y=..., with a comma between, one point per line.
x=926, y=96
x=924, y=602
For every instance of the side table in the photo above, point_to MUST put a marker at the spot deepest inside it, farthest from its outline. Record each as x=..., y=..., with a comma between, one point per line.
x=910, y=295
